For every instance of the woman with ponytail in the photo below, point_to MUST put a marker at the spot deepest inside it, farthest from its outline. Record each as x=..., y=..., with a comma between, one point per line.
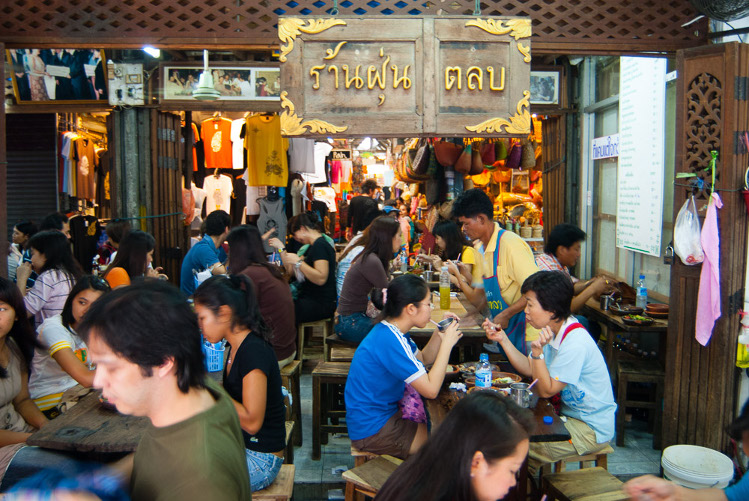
x=387, y=375
x=227, y=308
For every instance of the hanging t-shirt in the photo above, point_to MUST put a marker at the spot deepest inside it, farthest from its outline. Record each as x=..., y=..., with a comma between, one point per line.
x=267, y=164
x=216, y=134
x=218, y=191
x=86, y=162
x=237, y=144
x=302, y=155
x=272, y=215
x=322, y=150
x=327, y=195
x=199, y=195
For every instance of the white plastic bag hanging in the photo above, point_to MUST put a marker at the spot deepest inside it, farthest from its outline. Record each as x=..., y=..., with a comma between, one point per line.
x=687, y=234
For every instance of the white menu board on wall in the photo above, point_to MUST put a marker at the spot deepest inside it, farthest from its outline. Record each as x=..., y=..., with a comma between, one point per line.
x=642, y=107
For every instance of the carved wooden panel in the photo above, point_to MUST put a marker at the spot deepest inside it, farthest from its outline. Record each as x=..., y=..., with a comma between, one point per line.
x=578, y=25
x=711, y=114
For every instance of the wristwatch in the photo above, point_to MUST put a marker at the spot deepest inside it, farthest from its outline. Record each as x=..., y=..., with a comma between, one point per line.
x=540, y=357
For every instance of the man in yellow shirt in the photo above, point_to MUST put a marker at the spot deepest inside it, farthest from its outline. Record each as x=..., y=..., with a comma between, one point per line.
x=507, y=262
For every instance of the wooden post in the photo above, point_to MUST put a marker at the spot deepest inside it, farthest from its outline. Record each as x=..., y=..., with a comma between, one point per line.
x=3, y=176
x=130, y=160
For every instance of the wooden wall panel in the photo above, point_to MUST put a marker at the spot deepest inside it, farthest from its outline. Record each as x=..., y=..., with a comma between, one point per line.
x=711, y=112
x=559, y=26
x=555, y=171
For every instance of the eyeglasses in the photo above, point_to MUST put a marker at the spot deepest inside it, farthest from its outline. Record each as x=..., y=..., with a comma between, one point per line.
x=431, y=305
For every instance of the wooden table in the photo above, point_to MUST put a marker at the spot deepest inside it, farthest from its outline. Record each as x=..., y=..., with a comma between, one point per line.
x=541, y=407
x=470, y=325
x=612, y=324
x=90, y=427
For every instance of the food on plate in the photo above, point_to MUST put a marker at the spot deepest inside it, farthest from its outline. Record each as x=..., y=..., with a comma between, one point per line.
x=449, y=368
x=503, y=380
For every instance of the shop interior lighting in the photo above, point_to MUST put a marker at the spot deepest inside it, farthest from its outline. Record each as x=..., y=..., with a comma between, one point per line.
x=152, y=51
x=205, y=90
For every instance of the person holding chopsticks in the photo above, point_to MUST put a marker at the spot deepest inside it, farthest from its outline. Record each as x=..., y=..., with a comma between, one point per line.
x=566, y=361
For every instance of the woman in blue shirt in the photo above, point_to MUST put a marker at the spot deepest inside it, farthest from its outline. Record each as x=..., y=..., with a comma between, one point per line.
x=387, y=365
x=650, y=488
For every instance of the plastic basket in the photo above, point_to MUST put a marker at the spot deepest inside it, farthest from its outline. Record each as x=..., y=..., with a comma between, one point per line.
x=213, y=355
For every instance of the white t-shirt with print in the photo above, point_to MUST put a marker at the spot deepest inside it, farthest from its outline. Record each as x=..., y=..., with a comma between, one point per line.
x=48, y=380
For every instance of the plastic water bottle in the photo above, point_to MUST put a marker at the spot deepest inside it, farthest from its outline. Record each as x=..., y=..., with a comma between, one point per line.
x=444, y=288
x=404, y=261
x=484, y=372
x=641, y=300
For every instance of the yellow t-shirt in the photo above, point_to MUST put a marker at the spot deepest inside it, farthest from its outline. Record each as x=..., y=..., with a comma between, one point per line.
x=471, y=256
x=515, y=264
x=267, y=164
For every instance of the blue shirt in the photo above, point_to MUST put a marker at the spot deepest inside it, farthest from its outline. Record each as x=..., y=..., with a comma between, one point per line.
x=587, y=395
x=383, y=363
x=738, y=491
x=200, y=257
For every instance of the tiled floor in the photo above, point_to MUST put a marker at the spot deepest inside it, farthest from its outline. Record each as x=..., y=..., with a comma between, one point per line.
x=315, y=480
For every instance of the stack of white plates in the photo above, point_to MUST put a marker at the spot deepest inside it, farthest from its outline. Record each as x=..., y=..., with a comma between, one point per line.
x=696, y=467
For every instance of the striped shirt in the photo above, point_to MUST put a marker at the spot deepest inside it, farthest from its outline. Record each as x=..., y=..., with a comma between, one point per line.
x=549, y=262
x=47, y=297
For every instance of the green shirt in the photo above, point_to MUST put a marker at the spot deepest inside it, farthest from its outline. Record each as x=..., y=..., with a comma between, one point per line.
x=200, y=458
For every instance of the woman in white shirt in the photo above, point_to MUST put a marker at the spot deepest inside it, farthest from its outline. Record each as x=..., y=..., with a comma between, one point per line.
x=61, y=362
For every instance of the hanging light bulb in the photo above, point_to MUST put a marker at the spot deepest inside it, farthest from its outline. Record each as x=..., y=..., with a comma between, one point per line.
x=205, y=90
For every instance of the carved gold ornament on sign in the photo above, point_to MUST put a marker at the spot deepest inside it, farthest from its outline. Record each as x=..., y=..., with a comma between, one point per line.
x=289, y=28
x=292, y=125
x=517, y=28
x=520, y=123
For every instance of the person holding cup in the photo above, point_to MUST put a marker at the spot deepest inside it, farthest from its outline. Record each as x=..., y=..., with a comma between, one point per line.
x=387, y=378
x=566, y=361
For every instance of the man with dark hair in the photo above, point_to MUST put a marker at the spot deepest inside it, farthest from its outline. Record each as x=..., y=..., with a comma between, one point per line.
x=561, y=252
x=203, y=260
x=56, y=221
x=145, y=342
x=360, y=205
x=507, y=262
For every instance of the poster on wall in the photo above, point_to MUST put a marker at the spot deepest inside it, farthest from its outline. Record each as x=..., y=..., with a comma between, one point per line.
x=233, y=82
x=57, y=75
x=125, y=84
x=642, y=108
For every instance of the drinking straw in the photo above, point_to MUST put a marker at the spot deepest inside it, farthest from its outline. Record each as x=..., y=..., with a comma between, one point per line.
x=435, y=323
x=534, y=382
x=543, y=498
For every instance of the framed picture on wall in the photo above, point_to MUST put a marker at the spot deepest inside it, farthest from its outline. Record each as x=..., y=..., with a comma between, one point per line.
x=58, y=75
x=234, y=82
x=545, y=87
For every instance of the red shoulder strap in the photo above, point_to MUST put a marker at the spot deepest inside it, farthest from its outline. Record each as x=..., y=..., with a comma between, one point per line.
x=570, y=328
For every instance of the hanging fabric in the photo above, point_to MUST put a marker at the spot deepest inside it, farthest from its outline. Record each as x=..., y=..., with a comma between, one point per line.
x=708, y=298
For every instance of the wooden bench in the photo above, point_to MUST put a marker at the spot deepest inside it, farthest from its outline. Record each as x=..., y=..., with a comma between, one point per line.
x=282, y=488
x=598, y=459
x=290, y=378
x=368, y=479
x=327, y=328
x=590, y=484
x=288, y=452
x=361, y=457
x=324, y=375
x=640, y=371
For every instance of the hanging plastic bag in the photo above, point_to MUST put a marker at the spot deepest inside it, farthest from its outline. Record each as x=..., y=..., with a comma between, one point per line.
x=687, y=234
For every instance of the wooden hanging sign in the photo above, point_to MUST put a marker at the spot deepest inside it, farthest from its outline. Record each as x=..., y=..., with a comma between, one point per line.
x=405, y=76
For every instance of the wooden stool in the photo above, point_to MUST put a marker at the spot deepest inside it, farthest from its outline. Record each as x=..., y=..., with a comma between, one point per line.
x=361, y=457
x=290, y=376
x=639, y=371
x=325, y=374
x=332, y=342
x=282, y=488
x=599, y=459
x=325, y=324
x=369, y=478
x=341, y=354
x=288, y=451
x=590, y=484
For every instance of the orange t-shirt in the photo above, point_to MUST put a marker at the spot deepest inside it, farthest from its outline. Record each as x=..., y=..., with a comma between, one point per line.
x=117, y=277
x=216, y=134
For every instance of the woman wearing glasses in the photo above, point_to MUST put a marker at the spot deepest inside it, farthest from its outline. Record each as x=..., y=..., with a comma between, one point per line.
x=387, y=378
